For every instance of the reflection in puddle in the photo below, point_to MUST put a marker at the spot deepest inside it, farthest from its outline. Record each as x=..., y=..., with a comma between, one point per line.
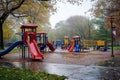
x=7, y=64
x=74, y=72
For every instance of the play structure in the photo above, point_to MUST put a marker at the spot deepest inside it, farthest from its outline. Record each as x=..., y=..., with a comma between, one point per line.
x=71, y=47
x=65, y=42
x=58, y=43
x=28, y=39
x=75, y=44
x=97, y=44
x=11, y=47
x=43, y=42
x=101, y=45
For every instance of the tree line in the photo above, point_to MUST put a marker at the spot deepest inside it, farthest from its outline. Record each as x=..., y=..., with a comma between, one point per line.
x=15, y=12
x=87, y=29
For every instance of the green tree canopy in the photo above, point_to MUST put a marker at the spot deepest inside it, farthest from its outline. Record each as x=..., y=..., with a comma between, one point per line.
x=101, y=33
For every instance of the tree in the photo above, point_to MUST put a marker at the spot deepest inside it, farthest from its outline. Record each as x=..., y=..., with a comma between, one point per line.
x=37, y=13
x=75, y=25
x=101, y=33
x=6, y=8
x=52, y=35
x=108, y=8
x=7, y=30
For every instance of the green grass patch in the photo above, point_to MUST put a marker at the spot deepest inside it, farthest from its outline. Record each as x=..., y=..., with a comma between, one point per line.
x=116, y=47
x=15, y=50
x=22, y=74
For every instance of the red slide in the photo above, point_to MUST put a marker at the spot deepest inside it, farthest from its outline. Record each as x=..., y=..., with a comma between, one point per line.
x=34, y=50
x=71, y=48
x=50, y=46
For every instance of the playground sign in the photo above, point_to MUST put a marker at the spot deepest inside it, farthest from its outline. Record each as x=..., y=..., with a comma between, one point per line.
x=89, y=43
x=100, y=43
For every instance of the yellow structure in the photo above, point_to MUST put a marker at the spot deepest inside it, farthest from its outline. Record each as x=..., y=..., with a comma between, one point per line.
x=100, y=43
x=66, y=41
x=87, y=43
x=72, y=42
x=93, y=43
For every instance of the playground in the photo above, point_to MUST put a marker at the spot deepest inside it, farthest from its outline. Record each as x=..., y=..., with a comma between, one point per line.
x=63, y=58
x=34, y=44
x=74, y=66
x=60, y=40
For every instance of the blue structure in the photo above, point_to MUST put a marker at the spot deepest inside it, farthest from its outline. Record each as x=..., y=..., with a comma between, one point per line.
x=77, y=43
x=77, y=48
x=11, y=47
x=59, y=43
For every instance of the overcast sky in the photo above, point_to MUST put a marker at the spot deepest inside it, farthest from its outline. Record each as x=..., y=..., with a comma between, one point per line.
x=66, y=10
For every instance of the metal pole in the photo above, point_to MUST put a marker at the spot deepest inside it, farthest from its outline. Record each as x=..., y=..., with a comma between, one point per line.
x=112, y=52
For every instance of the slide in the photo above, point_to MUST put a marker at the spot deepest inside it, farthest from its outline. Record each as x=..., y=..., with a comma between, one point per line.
x=50, y=46
x=12, y=46
x=70, y=49
x=34, y=50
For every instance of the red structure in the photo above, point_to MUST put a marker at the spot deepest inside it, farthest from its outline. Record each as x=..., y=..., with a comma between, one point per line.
x=44, y=41
x=29, y=37
x=75, y=44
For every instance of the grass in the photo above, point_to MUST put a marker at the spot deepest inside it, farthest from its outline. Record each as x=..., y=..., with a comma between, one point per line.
x=15, y=50
x=116, y=47
x=22, y=74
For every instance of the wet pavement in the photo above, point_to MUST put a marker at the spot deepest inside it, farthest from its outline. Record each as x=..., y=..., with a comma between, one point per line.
x=74, y=72
x=77, y=66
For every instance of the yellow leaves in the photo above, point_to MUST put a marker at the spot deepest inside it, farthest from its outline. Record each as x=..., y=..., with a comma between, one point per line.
x=39, y=28
x=38, y=12
x=46, y=4
x=7, y=31
x=97, y=13
x=100, y=4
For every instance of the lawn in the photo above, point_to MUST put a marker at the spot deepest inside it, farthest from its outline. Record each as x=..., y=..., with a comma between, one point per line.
x=23, y=74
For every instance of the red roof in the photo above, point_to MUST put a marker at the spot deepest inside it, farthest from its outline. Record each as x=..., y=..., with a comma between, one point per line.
x=41, y=32
x=66, y=37
x=29, y=26
x=76, y=36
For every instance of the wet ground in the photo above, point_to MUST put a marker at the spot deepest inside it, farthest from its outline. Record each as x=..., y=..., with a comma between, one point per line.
x=77, y=66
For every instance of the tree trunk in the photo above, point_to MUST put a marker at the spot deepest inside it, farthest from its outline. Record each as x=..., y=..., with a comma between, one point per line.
x=1, y=36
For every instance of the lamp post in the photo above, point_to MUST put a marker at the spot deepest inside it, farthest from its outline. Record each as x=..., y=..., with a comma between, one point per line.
x=111, y=23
